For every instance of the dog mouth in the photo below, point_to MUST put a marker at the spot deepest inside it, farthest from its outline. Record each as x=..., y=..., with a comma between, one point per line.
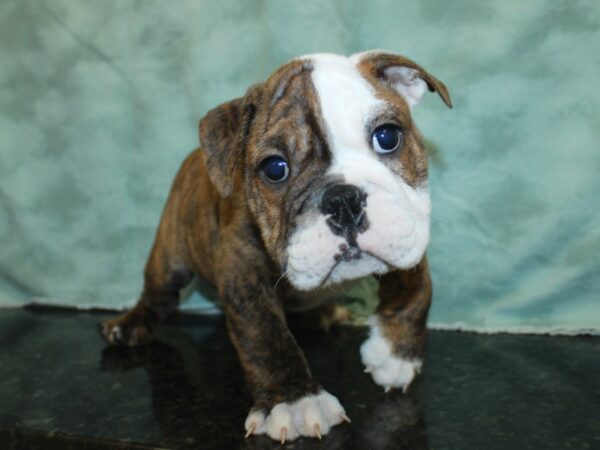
x=348, y=253
x=351, y=253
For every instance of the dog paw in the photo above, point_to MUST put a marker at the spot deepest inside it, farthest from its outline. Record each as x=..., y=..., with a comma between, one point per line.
x=388, y=370
x=312, y=416
x=124, y=331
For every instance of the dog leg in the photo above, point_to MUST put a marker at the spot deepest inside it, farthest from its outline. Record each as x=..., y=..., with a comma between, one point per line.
x=163, y=278
x=287, y=401
x=393, y=353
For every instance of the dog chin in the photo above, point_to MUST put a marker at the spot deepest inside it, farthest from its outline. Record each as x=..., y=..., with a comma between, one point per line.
x=338, y=273
x=342, y=271
x=352, y=270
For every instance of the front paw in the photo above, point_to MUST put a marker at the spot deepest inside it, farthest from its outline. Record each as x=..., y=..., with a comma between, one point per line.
x=311, y=416
x=388, y=370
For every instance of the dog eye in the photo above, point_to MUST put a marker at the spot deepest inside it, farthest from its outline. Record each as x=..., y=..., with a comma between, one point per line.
x=275, y=169
x=387, y=139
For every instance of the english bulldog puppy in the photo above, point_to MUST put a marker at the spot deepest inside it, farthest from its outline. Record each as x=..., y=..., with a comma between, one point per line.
x=314, y=178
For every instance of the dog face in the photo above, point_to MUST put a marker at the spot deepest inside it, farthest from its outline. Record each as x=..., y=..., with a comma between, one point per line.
x=333, y=170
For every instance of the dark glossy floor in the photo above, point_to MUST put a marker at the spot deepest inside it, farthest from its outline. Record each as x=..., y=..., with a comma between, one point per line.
x=60, y=387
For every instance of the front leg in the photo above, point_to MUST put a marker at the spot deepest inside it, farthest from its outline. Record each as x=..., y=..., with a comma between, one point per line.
x=287, y=401
x=393, y=353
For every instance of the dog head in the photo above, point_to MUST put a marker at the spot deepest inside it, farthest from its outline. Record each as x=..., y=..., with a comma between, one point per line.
x=330, y=164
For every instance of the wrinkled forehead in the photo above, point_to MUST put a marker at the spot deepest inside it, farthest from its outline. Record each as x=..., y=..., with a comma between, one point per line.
x=290, y=119
x=338, y=83
x=322, y=107
x=347, y=99
x=328, y=89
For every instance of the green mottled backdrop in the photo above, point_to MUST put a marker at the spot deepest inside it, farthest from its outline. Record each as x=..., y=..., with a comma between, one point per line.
x=99, y=103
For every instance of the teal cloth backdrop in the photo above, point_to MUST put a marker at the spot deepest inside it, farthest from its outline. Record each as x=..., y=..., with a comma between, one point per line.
x=100, y=100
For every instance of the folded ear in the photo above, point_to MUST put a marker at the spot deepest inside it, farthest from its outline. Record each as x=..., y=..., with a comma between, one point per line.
x=406, y=77
x=223, y=134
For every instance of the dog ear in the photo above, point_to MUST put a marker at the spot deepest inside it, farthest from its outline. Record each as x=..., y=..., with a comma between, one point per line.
x=223, y=136
x=405, y=76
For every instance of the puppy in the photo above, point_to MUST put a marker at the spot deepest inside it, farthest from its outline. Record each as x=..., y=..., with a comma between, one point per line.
x=314, y=178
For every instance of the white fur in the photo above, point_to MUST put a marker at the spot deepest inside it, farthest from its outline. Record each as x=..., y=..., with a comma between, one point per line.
x=387, y=370
x=116, y=334
x=306, y=265
x=299, y=418
x=398, y=214
x=406, y=81
x=353, y=270
x=255, y=422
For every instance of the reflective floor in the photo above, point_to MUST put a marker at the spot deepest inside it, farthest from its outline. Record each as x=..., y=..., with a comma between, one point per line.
x=61, y=387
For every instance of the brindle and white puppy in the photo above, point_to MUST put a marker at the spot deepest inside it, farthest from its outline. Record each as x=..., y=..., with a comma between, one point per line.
x=315, y=177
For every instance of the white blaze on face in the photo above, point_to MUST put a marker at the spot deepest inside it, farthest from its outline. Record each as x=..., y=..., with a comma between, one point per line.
x=398, y=214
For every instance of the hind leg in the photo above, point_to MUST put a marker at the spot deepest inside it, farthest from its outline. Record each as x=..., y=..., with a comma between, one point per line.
x=164, y=276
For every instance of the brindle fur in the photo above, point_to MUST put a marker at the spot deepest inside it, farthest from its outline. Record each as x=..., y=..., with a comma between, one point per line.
x=223, y=222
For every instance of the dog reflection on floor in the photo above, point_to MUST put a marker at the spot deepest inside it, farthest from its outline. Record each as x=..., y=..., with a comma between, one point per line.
x=200, y=402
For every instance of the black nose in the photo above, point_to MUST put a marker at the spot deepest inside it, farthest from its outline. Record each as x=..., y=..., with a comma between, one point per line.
x=345, y=203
